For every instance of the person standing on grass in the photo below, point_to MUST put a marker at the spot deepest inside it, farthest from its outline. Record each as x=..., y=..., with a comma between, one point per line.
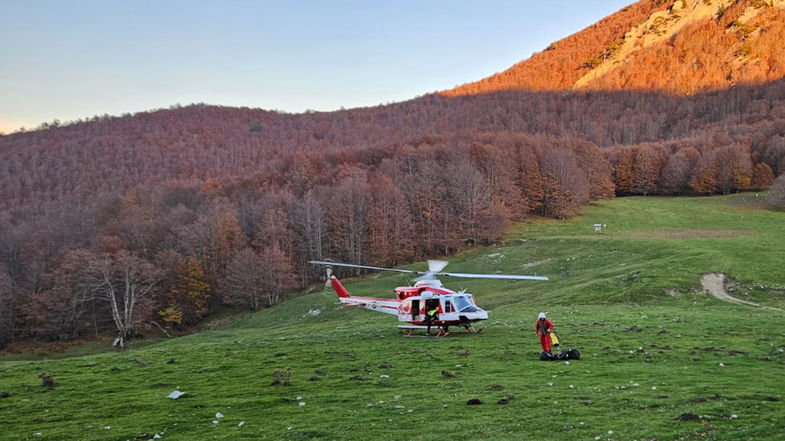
x=432, y=315
x=543, y=327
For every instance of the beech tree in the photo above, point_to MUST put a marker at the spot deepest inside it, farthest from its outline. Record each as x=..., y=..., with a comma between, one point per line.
x=498, y=166
x=622, y=161
x=347, y=218
x=185, y=299
x=529, y=180
x=647, y=166
x=243, y=283
x=733, y=168
x=776, y=198
x=390, y=228
x=565, y=186
x=277, y=274
x=705, y=179
x=762, y=177
x=678, y=171
x=7, y=312
x=63, y=311
x=774, y=154
x=597, y=169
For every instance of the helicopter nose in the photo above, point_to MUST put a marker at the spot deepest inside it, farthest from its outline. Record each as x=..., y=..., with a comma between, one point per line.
x=477, y=315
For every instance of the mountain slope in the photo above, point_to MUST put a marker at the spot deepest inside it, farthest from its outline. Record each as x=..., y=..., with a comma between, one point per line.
x=680, y=46
x=653, y=365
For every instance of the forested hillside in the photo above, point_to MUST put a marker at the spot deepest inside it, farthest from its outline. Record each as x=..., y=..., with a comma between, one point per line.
x=677, y=46
x=177, y=212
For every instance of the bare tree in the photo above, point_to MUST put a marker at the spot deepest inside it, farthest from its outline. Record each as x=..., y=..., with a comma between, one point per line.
x=124, y=280
x=469, y=196
x=307, y=220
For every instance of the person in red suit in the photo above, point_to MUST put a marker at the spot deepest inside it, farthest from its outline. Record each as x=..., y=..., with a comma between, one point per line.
x=543, y=328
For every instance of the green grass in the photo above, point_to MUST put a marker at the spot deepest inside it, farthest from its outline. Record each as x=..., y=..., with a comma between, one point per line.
x=649, y=357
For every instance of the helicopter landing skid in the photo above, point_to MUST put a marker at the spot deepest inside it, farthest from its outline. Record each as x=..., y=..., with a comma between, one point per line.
x=473, y=330
x=412, y=328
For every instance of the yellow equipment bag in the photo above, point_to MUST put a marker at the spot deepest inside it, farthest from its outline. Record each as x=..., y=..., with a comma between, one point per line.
x=554, y=339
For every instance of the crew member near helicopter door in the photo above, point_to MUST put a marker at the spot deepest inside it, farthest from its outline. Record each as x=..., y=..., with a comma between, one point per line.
x=432, y=315
x=542, y=328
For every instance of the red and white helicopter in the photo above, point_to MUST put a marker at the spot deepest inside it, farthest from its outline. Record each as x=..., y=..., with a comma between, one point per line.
x=412, y=303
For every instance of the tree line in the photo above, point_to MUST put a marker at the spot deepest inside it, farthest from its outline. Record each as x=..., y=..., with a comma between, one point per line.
x=167, y=255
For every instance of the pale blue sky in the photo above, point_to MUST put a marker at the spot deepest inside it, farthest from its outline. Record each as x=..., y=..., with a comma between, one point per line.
x=79, y=58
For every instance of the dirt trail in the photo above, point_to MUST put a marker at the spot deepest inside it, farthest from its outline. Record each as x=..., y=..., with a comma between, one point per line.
x=715, y=285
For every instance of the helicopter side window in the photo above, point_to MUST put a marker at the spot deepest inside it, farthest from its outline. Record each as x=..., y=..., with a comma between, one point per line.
x=464, y=304
x=448, y=306
x=461, y=302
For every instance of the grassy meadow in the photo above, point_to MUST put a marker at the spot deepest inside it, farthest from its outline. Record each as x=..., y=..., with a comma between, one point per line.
x=660, y=359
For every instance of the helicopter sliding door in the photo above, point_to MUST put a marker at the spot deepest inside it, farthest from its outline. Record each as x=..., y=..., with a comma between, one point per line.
x=448, y=310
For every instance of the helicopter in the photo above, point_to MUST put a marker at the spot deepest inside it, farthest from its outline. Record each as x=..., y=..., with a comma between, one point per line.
x=412, y=303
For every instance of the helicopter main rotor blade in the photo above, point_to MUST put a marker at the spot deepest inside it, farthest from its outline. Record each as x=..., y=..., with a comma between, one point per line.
x=493, y=276
x=378, y=268
x=428, y=275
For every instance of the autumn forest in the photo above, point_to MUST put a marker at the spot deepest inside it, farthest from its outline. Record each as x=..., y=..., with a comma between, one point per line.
x=154, y=220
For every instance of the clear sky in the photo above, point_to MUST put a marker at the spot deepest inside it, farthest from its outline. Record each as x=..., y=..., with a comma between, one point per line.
x=71, y=59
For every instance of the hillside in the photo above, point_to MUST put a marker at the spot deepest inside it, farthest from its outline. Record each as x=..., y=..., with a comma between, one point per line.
x=677, y=46
x=660, y=359
x=227, y=199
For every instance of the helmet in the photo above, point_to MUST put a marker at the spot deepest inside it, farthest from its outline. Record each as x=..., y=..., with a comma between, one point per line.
x=541, y=315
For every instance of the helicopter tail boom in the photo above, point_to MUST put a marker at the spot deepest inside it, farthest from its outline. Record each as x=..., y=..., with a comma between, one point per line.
x=387, y=306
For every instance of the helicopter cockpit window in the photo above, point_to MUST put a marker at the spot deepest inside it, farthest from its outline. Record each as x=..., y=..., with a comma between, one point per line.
x=464, y=304
x=448, y=306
